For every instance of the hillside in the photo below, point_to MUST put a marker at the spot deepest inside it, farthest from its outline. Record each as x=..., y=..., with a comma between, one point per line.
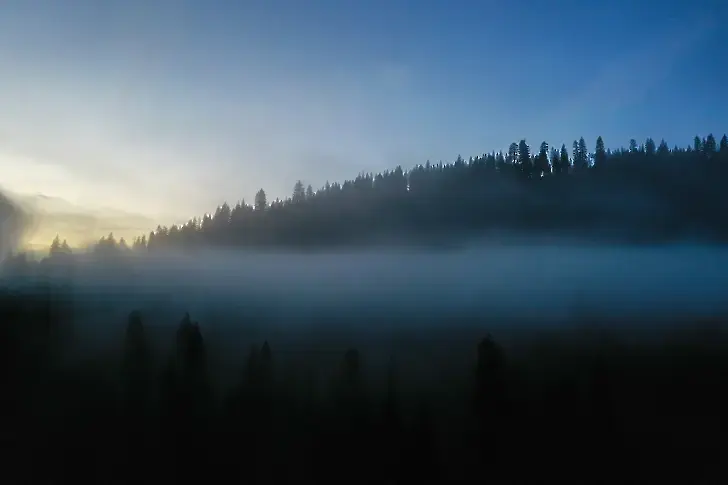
x=644, y=193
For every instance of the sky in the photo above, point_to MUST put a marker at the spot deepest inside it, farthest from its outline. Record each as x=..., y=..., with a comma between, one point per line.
x=160, y=111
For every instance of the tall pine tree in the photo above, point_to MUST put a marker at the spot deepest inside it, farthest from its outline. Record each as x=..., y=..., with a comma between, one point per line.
x=600, y=154
x=261, y=201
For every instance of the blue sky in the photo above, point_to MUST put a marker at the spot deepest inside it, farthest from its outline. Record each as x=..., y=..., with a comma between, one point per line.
x=165, y=109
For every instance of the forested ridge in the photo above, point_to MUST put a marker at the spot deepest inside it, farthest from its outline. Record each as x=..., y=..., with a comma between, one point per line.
x=646, y=192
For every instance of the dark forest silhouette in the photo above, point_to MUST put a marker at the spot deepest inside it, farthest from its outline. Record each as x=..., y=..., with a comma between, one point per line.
x=648, y=192
x=571, y=412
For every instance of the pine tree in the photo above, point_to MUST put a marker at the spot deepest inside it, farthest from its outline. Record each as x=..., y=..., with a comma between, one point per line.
x=524, y=158
x=555, y=161
x=575, y=155
x=600, y=154
x=490, y=162
x=542, y=160
x=55, y=246
x=500, y=161
x=564, y=163
x=663, y=150
x=222, y=216
x=299, y=192
x=650, y=146
x=697, y=144
x=710, y=146
x=152, y=241
x=261, y=202
x=583, y=154
x=512, y=154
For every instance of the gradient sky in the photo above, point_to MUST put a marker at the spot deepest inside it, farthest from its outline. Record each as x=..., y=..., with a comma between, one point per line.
x=167, y=108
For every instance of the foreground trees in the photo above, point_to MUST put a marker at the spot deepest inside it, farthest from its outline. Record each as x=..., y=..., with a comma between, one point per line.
x=571, y=412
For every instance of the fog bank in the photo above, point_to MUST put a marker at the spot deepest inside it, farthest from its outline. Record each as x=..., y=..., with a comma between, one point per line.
x=521, y=281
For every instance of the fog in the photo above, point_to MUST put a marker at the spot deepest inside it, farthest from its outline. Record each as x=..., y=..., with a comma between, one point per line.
x=388, y=291
x=15, y=222
x=520, y=280
x=422, y=305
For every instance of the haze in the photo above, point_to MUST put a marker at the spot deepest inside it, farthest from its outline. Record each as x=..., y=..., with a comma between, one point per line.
x=548, y=283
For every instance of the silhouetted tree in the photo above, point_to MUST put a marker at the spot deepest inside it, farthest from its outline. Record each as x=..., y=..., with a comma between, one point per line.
x=564, y=163
x=490, y=402
x=697, y=144
x=663, y=150
x=583, y=154
x=576, y=156
x=600, y=154
x=299, y=192
x=55, y=246
x=633, y=146
x=136, y=357
x=650, y=147
x=59, y=256
x=710, y=146
x=524, y=158
x=500, y=162
x=490, y=376
x=261, y=202
x=555, y=161
x=137, y=370
x=512, y=156
x=190, y=351
x=542, y=160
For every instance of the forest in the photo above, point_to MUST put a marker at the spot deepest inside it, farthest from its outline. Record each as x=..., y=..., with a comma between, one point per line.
x=644, y=193
x=148, y=367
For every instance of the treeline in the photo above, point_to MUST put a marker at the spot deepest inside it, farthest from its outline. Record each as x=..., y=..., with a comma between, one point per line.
x=645, y=192
x=559, y=411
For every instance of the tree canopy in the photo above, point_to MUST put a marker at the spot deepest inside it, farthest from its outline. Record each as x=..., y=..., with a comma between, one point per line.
x=643, y=192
